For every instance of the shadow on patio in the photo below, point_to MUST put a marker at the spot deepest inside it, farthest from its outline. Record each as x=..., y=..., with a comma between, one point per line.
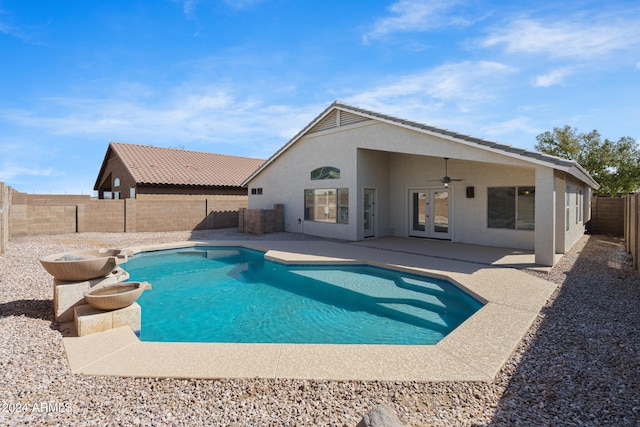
x=487, y=255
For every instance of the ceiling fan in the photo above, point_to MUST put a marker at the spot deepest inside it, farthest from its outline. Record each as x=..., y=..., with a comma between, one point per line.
x=446, y=180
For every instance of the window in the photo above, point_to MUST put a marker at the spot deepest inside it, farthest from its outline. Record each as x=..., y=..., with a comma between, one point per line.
x=567, y=204
x=116, y=182
x=577, y=205
x=343, y=206
x=511, y=208
x=581, y=206
x=132, y=192
x=526, y=207
x=257, y=191
x=327, y=205
x=325, y=172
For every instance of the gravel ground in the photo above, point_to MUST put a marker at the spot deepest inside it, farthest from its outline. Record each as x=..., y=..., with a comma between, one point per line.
x=577, y=366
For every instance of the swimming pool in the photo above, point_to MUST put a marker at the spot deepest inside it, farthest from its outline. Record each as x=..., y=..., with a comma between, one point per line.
x=235, y=295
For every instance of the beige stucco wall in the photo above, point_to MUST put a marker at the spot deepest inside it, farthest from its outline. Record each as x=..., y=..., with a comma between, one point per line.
x=286, y=183
x=374, y=173
x=576, y=225
x=393, y=160
x=469, y=222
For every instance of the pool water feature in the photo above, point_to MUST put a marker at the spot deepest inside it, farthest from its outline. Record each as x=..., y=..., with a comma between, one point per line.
x=235, y=295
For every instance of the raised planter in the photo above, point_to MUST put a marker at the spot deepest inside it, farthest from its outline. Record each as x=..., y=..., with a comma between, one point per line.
x=83, y=265
x=115, y=296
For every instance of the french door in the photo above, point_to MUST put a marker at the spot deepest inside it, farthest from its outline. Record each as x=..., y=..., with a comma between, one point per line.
x=369, y=212
x=430, y=213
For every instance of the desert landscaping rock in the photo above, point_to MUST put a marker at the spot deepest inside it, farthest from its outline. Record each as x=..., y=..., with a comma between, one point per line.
x=380, y=416
x=577, y=366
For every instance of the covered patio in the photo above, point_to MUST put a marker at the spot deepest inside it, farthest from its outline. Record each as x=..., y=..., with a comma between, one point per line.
x=478, y=254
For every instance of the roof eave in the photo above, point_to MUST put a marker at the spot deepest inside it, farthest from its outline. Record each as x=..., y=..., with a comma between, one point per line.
x=103, y=167
x=286, y=146
x=470, y=141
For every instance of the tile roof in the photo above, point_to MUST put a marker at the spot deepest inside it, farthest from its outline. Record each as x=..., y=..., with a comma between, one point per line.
x=170, y=166
x=553, y=161
x=456, y=135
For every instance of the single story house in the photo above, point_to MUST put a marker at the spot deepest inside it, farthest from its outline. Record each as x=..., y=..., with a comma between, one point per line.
x=355, y=174
x=131, y=170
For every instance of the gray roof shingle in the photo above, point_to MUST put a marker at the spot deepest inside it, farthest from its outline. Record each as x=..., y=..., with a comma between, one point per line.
x=553, y=161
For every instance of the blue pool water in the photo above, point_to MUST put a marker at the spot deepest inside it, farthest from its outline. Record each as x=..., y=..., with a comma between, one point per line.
x=232, y=294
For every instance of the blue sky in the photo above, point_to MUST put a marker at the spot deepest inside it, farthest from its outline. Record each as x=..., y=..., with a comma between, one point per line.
x=242, y=77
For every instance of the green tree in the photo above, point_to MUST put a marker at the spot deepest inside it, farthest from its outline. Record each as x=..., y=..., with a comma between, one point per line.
x=615, y=165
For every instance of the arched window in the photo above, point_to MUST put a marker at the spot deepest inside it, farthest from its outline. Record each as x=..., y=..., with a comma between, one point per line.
x=116, y=182
x=325, y=172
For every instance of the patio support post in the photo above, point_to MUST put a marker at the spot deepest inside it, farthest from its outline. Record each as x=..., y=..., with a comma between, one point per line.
x=545, y=216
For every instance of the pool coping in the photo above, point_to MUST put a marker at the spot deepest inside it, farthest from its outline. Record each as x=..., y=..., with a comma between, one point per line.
x=475, y=351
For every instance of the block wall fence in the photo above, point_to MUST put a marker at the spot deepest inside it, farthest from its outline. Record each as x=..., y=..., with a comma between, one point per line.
x=261, y=221
x=33, y=214
x=607, y=216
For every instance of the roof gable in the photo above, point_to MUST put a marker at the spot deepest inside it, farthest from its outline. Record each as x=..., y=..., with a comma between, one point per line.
x=331, y=118
x=149, y=165
x=337, y=118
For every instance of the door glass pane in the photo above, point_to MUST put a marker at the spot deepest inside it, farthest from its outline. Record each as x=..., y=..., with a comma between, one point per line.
x=441, y=212
x=419, y=211
x=367, y=211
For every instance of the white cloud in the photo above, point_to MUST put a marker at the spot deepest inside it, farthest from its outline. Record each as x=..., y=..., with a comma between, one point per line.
x=518, y=125
x=552, y=78
x=190, y=115
x=464, y=84
x=9, y=171
x=415, y=15
x=242, y=4
x=189, y=6
x=584, y=38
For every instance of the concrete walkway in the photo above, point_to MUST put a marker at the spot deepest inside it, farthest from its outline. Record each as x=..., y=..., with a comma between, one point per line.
x=475, y=351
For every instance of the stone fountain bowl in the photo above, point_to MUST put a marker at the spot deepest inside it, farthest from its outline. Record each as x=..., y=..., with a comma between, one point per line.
x=83, y=265
x=115, y=296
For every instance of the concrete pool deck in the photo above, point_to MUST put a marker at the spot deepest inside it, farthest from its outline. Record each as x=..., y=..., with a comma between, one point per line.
x=475, y=351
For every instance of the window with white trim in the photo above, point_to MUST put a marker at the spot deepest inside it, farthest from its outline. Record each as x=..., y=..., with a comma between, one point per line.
x=577, y=206
x=581, y=206
x=327, y=205
x=567, y=207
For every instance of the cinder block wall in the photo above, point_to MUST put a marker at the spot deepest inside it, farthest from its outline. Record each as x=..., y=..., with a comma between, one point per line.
x=261, y=221
x=607, y=216
x=58, y=214
x=51, y=220
x=103, y=216
x=169, y=215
